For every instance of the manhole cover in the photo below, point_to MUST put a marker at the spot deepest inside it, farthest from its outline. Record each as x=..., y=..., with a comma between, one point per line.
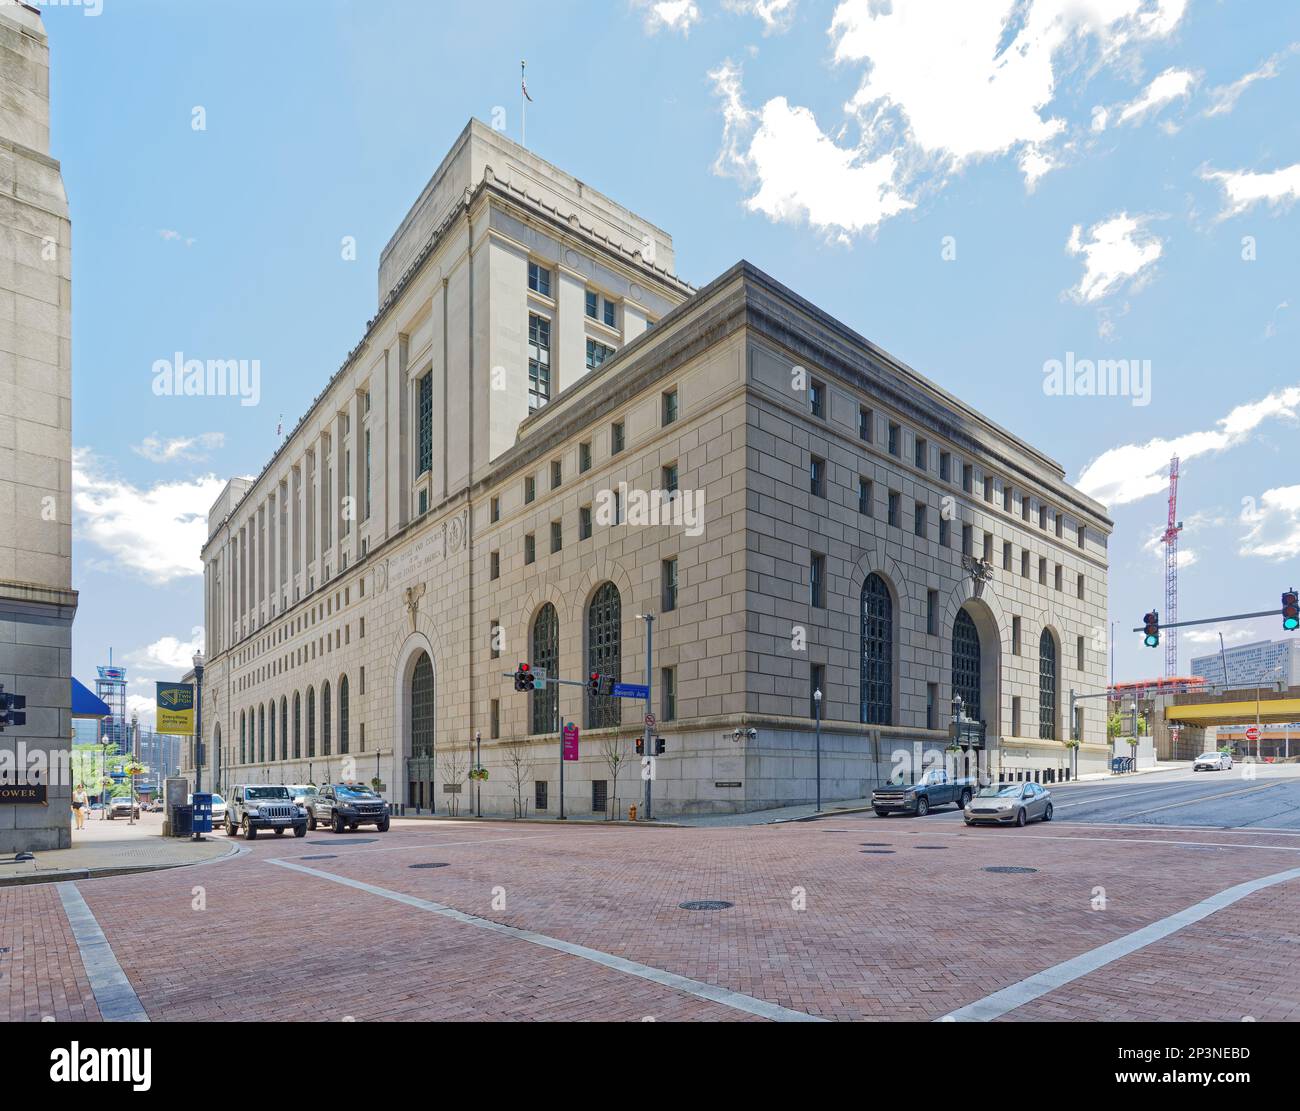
x=705, y=904
x=345, y=844
x=428, y=865
x=878, y=852
x=326, y=857
x=929, y=846
x=1007, y=869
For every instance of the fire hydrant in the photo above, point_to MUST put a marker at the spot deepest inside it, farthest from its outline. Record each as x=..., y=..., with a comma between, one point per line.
x=631, y=813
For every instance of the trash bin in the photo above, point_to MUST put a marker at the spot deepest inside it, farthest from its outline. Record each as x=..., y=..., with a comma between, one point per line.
x=183, y=821
x=202, y=814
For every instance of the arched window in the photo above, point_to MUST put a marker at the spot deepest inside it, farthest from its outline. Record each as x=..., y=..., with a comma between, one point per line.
x=271, y=739
x=1047, y=686
x=422, y=709
x=343, y=716
x=284, y=728
x=966, y=665
x=311, y=722
x=261, y=734
x=604, y=652
x=877, y=652
x=297, y=726
x=325, y=719
x=546, y=655
x=243, y=738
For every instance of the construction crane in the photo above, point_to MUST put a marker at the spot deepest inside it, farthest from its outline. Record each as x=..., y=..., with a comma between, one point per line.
x=1170, y=539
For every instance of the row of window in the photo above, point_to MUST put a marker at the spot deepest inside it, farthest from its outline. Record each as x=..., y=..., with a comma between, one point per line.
x=817, y=395
x=258, y=734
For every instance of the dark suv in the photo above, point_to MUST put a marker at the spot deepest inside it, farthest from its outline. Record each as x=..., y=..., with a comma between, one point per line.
x=346, y=806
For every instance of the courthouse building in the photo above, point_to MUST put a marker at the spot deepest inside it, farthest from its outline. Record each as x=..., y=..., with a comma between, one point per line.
x=476, y=487
x=37, y=602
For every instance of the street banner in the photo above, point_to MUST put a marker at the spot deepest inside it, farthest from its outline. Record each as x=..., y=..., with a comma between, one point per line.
x=570, y=746
x=175, y=709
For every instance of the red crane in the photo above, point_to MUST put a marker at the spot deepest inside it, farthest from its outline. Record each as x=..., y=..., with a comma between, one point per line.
x=1170, y=539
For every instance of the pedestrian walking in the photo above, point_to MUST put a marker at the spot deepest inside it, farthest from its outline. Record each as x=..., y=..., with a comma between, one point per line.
x=80, y=804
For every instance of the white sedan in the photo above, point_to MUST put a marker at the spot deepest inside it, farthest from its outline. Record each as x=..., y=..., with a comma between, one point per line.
x=1212, y=762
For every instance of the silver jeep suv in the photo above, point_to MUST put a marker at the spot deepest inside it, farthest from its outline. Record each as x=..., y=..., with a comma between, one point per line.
x=250, y=809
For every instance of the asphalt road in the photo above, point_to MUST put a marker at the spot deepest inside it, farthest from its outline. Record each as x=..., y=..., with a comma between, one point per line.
x=1247, y=797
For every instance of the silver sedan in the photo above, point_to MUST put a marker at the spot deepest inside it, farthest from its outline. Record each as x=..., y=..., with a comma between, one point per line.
x=1007, y=803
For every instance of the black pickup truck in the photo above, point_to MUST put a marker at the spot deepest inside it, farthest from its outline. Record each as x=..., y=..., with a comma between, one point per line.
x=935, y=788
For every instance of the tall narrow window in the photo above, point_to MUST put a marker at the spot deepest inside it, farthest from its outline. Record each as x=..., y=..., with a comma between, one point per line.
x=343, y=716
x=539, y=279
x=669, y=585
x=604, y=652
x=546, y=655
x=817, y=581
x=297, y=726
x=877, y=652
x=966, y=664
x=668, y=684
x=311, y=722
x=1047, y=686
x=425, y=412
x=539, y=361
x=325, y=715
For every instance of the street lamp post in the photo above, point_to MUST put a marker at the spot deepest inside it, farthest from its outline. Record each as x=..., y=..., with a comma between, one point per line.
x=817, y=713
x=103, y=776
x=478, y=764
x=135, y=760
x=198, y=721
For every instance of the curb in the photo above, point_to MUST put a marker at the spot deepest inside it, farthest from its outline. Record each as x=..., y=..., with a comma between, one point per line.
x=65, y=875
x=654, y=823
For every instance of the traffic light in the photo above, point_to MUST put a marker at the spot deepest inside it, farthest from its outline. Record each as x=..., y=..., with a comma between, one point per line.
x=659, y=746
x=12, y=707
x=525, y=680
x=640, y=746
x=1291, y=611
x=593, y=684
x=1151, y=626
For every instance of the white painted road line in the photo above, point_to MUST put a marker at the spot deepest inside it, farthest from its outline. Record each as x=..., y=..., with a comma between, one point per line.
x=697, y=988
x=114, y=995
x=1026, y=991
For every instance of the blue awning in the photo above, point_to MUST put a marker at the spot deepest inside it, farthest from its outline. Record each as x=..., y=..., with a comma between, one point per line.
x=86, y=703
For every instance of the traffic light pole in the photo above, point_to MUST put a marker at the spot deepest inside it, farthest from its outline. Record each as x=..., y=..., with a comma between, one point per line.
x=1213, y=620
x=649, y=691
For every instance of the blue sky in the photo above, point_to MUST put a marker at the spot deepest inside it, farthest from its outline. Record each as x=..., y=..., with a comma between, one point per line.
x=1095, y=167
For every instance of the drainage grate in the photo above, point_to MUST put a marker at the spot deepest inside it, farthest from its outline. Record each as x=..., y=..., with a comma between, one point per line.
x=326, y=857
x=1008, y=869
x=705, y=904
x=346, y=844
x=428, y=866
x=878, y=852
x=929, y=846
x=876, y=844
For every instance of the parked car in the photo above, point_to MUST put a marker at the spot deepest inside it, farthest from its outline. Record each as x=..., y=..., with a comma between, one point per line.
x=346, y=806
x=252, y=809
x=1007, y=803
x=122, y=806
x=301, y=792
x=1212, y=762
x=157, y=806
x=218, y=809
x=935, y=788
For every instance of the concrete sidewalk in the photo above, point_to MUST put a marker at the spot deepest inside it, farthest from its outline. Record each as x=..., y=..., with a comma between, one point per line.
x=114, y=848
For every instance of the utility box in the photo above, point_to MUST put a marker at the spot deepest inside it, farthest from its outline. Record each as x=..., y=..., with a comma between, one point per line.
x=176, y=790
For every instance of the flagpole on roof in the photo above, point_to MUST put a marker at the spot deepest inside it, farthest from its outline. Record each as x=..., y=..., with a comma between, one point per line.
x=523, y=103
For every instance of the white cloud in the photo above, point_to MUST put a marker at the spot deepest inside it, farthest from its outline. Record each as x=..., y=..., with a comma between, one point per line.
x=1173, y=84
x=670, y=15
x=1244, y=188
x=144, y=707
x=777, y=15
x=172, y=236
x=1273, y=525
x=1117, y=251
x=796, y=171
x=1210, y=636
x=155, y=532
x=168, y=653
x=181, y=448
x=1134, y=471
x=1224, y=97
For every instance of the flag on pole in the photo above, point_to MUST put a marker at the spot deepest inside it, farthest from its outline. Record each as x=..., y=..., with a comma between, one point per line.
x=279, y=428
x=523, y=80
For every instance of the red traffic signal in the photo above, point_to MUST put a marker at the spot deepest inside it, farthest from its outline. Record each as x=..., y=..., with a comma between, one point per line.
x=593, y=684
x=525, y=680
x=640, y=746
x=1151, y=627
x=1290, y=611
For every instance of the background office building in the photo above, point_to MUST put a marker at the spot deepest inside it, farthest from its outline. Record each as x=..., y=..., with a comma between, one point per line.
x=1264, y=662
x=37, y=602
x=506, y=469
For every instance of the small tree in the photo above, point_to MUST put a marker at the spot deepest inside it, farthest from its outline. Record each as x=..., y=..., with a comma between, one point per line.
x=615, y=755
x=519, y=767
x=453, y=766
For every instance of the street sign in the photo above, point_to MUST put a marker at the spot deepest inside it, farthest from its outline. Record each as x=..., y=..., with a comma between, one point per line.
x=569, y=745
x=539, y=676
x=649, y=719
x=631, y=690
x=1252, y=734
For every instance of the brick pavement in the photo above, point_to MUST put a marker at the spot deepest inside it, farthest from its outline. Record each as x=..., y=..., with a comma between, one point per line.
x=911, y=934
